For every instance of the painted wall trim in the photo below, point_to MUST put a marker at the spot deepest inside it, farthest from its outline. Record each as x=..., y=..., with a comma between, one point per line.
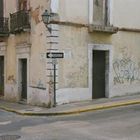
x=19, y=57
x=90, y=11
x=22, y=52
x=67, y=23
x=111, y=8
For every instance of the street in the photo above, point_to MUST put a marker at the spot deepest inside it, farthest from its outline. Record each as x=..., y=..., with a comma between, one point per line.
x=113, y=124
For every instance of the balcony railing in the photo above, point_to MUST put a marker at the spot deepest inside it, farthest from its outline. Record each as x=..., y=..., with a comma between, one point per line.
x=4, y=30
x=19, y=21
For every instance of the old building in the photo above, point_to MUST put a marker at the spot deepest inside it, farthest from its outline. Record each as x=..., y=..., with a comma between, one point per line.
x=98, y=38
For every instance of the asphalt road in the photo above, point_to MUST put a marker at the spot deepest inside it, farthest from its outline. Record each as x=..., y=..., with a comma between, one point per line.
x=112, y=124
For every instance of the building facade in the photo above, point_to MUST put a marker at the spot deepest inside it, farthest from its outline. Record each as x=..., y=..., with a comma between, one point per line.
x=98, y=38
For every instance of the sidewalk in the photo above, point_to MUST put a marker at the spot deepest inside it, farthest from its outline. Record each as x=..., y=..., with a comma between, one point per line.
x=72, y=108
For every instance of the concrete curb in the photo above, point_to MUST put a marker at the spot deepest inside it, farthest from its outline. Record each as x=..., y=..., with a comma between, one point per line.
x=74, y=111
x=10, y=110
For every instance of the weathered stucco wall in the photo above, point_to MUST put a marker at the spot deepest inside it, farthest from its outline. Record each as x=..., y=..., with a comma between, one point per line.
x=73, y=69
x=74, y=11
x=38, y=94
x=36, y=58
x=74, y=42
x=11, y=81
x=10, y=73
x=126, y=63
x=126, y=13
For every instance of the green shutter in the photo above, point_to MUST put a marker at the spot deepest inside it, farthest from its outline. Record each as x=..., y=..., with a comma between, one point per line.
x=1, y=8
x=99, y=12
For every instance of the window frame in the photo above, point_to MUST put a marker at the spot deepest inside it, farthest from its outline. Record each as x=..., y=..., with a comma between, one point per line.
x=109, y=19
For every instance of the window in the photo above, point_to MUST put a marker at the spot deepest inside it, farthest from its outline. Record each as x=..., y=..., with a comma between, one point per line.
x=100, y=12
x=1, y=8
x=100, y=16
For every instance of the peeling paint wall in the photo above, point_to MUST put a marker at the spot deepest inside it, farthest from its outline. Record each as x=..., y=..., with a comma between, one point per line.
x=73, y=72
x=11, y=85
x=36, y=38
x=73, y=69
x=38, y=94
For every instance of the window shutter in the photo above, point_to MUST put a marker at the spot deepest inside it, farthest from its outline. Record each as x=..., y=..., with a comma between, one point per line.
x=100, y=12
x=1, y=8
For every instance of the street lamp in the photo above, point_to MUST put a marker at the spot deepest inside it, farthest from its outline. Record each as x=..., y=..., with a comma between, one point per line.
x=46, y=16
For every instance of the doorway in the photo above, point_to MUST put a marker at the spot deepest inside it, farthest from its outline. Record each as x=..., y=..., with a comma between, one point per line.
x=99, y=59
x=23, y=78
x=1, y=75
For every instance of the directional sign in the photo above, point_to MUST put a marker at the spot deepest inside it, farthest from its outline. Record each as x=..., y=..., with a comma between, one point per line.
x=55, y=55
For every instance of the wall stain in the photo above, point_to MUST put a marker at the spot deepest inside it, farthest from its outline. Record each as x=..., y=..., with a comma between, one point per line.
x=11, y=78
x=40, y=84
x=35, y=14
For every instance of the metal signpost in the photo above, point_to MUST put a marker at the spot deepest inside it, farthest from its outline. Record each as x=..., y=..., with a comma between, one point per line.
x=54, y=56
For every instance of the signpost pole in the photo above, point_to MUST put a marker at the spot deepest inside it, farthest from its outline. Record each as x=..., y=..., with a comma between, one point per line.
x=54, y=56
x=54, y=84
